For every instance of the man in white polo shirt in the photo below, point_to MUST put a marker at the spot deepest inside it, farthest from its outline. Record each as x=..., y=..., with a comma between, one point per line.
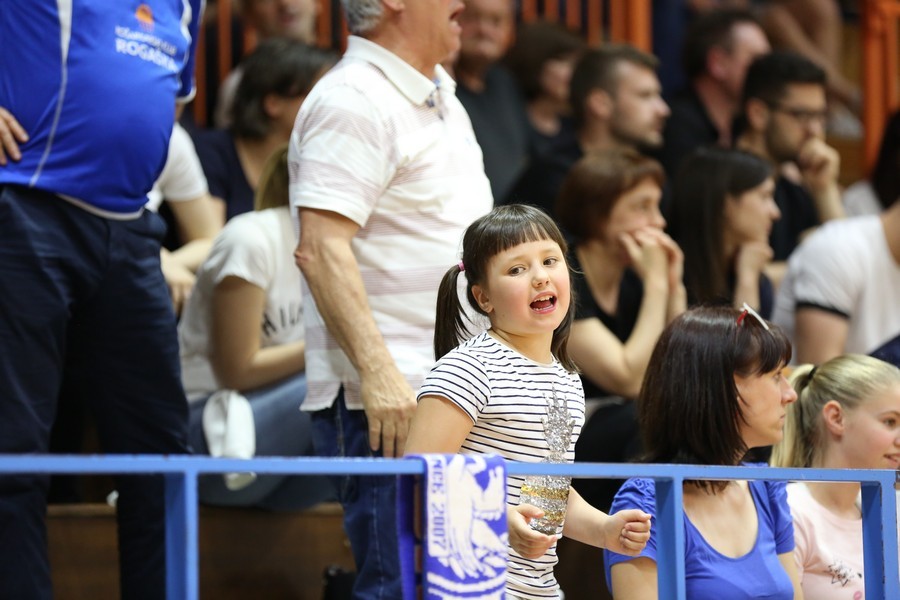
x=386, y=175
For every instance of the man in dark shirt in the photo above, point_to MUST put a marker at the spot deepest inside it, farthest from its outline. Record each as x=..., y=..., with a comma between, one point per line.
x=616, y=102
x=490, y=94
x=783, y=121
x=719, y=47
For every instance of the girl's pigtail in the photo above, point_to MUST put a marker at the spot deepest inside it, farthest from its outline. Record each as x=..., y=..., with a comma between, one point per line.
x=450, y=327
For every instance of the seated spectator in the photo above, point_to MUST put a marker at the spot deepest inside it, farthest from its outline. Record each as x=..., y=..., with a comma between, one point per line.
x=719, y=47
x=542, y=59
x=840, y=292
x=197, y=218
x=616, y=103
x=713, y=390
x=813, y=28
x=847, y=416
x=722, y=213
x=489, y=93
x=783, y=118
x=242, y=354
x=627, y=285
x=264, y=19
x=278, y=75
x=871, y=196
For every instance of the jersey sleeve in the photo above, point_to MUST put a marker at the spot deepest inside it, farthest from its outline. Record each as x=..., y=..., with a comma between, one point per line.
x=190, y=21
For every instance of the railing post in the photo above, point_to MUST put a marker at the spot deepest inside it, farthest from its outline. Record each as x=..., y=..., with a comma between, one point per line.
x=879, y=509
x=670, y=547
x=182, y=580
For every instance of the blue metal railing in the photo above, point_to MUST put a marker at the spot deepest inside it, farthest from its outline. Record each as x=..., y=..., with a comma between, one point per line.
x=879, y=502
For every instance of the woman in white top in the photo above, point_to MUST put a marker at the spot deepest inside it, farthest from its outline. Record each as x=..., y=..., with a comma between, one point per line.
x=847, y=416
x=242, y=353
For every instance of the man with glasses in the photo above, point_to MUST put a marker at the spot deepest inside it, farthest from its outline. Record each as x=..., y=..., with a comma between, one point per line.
x=783, y=121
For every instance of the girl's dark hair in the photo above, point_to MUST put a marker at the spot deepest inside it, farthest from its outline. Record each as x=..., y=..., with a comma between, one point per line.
x=886, y=174
x=537, y=43
x=499, y=230
x=706, y=178
x=688, y=408
x=276, y=66
x=594, y=185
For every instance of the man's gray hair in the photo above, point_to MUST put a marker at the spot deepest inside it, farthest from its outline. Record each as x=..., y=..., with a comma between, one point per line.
x=362, y=15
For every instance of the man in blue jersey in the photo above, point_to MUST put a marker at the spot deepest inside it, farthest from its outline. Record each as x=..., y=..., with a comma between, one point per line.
x=88, y=90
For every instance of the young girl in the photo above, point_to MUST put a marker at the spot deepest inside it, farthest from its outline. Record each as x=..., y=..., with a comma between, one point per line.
x=713, y=390
x=847, y=416
x=491, y=393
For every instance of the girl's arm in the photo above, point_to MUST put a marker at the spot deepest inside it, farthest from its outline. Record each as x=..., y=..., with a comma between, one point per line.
x=634, y=580
x=198, y=221
x=751, y=260
x=789, y=562
x=438, y=426
x=236, y=357
x=625, y=532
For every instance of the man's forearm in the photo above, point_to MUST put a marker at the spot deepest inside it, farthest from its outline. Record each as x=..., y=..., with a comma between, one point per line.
x=334, y=279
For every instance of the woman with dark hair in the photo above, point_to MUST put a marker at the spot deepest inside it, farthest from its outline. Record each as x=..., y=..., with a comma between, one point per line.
x=722, y=212
x=714, y=389
x=542, y=59
x=276, y=77
x=628, y=287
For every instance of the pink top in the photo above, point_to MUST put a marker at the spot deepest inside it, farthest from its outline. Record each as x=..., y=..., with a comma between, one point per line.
x=829, y=549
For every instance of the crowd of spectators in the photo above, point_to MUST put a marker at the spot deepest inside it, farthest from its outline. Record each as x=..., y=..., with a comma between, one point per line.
x=709, y=183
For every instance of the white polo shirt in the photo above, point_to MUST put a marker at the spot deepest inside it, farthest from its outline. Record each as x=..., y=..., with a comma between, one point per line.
x=381, y=144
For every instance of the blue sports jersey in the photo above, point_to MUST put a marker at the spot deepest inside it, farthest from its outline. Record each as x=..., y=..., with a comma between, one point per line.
x=94, y=83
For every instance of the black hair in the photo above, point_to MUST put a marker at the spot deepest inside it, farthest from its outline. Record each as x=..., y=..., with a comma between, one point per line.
x=712, y=29
x=598, y=69
x=886, y=174
x=705, y=179
x=688, y=408
x=537, y=43
x=769, y=76
x=276, y=66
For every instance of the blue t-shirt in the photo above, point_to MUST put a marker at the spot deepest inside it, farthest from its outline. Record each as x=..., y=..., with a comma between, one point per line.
x=94, y=84
x=710, y=575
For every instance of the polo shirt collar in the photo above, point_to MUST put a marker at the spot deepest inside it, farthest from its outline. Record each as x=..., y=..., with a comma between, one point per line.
x=410, y=82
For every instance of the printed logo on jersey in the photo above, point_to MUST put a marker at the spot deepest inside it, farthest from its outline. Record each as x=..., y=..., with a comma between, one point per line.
x=141, y=42
x=145, y=17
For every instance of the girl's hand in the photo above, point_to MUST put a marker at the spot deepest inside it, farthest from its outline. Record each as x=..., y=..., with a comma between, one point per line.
x=751, y=258
x=627, y=531
x=647, y=253
x=527, y=542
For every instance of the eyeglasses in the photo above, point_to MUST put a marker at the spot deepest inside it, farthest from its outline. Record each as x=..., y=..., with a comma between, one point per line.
x=802, y=115
x=746, y=309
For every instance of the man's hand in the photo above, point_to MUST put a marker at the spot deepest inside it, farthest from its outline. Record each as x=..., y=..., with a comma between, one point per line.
x=819, y=165
x=389, y=403
x=179, y=279
x=11, y=134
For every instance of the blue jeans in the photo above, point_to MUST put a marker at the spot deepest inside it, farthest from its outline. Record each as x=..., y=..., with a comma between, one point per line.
x=281, y=430
x=84, y=308
x=369, y=502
